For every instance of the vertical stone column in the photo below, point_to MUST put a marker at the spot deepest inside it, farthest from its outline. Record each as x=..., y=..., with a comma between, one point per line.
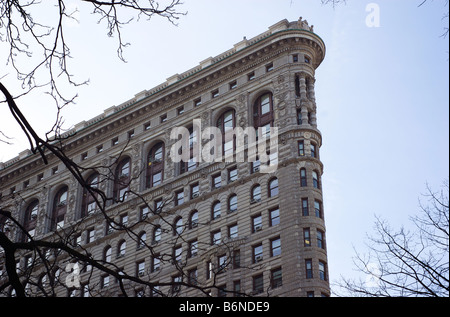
x=303, y=92
x=310, y=89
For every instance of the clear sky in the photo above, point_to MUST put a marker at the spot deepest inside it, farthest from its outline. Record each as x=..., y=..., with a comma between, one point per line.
x=382, y=95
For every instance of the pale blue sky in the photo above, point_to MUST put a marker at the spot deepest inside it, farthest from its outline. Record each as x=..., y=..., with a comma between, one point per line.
x=382, y=95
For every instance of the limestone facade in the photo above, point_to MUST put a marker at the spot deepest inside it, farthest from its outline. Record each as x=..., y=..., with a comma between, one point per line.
x=279, y=253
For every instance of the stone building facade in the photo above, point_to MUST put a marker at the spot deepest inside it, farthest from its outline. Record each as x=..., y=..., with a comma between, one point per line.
x=232, y=228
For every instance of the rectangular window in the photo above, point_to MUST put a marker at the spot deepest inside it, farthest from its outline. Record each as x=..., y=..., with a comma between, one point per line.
x=317, y=209
x=144, y=213
x=313, y=150
x=256, y=223
x=258, y=284
x=276, y=278
x=193, y=248
x=163, y=118
x=295, y=58
x=99, y=149
x=309, y=270
x=156, y=262
x=233, y=85
x=236, y=259
x=233, y=231
x=305, y=209
x=320, y=239
x=275, y=246
x=232, y=174
x=251, y=76
x=130, y=134
x=215, y=237
x=269, y=67
x=115, y=141
x=257, y=253
x=179, y=197
x=306, y=237
x=216, y=181
x=215, y=93
x=195, y=191
x=146, y=126
x=140, y=268
x=301, y=148
x=197, y=102
x=274, y=217
x=322, y=271
x=180, y=110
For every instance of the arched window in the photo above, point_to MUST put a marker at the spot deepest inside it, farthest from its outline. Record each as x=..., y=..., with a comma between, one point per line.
x=232, y=203
x=303, y=182
x=215, y=211
x=121, y=248
x=226, y=123
x=156, y=237
x=315, y=178
x=29, y=222
x=192, y=163
x=193, y=219
x=107, y=254
x=59, y=208
x=142, y=240
x=89, y=204
x=122, y=179
x=256, y=194
x=155, y=165
x=273, y=187
x=263, y=113
x=178, y=228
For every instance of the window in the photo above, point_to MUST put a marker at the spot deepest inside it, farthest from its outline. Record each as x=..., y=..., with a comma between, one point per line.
x=193, y=248
x=158, y=205
x=140, y=268
x=90, y=236
x=233, y=231
x=315, y=178
x=178, y=226
x=307, y=59
x=317, y=209
x=197, y=102
x=269, y=67
x=236, y=259
x=115, y=141
x=256, y=165
x=275, y=246
x=163, y=118
x=309, y=270
x=191, y=164
x=320, y=239
x=216, y=237
x=232, y=85
x=89, y=205
x=274, y=217
x=147, y=126
x=299, y=117
x=142, y=240
x=156, y=234
x=301, y=148
x=121, y=248
x=215, y=93
x=222, y=263
x=232, y=203
x=122, y=179
x=99, y=149
x=193, y=219
x=176, y=284
x=156, y=263
x=215, y=213
x=322, y=271
x=303, y=182
x=124, y=220
x=30, y=218
x=180, y=110
x=177, y=250
x=192, y=276
x=216, y=181
x=59, y=208
x=273, y=187
x=257, y=253
x=84, y=156
x=251, y=76
x=256, y=194
x=258, y=284
x=313, y=150
x=305, y=209
x=295, y=58
x=107, y=254
x=105, y=281
x=195, y=191
x=155, y=165
x=276, y=278
x=40, y=177
x=226, y=123
x=130, y=134
x=263, y=111
x=232, y=174
x=179, y=197
x=306, y=237
x=55, y=170
x=256, y=223
x=144, y=212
